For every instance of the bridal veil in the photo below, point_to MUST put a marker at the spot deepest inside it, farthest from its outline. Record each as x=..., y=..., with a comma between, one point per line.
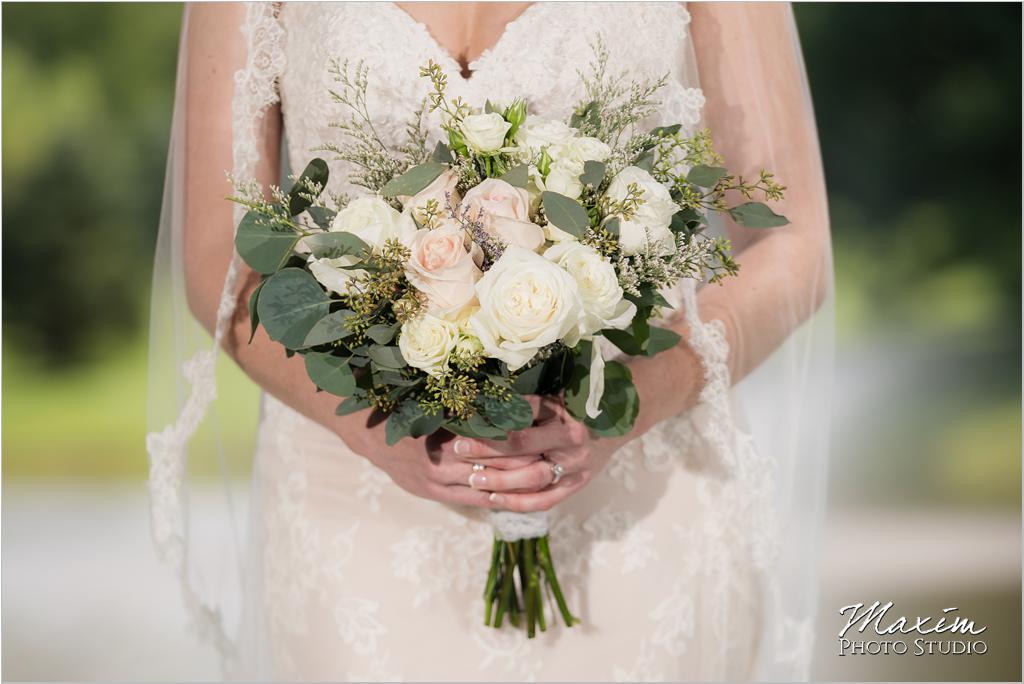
x=764, y=438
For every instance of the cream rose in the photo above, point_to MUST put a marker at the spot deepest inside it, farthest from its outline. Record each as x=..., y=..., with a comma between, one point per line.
x=526, y=302
x=536, y=134
x=374, y=221
x=604, y=304
x=564, y=178
x=485, y=132
x=648, y=227
x=427, y=341
x=580, y=149
x=506, y=213
x=440, y=190
x=441, y=268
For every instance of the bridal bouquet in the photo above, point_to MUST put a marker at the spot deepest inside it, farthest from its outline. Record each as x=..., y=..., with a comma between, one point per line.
x=489, y=267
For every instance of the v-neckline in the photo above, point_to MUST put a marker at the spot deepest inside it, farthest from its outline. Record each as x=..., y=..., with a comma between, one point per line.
x=455, y=65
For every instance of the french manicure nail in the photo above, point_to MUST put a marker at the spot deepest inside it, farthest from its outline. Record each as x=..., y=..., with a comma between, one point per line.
x=496, y=498
x=462, y=447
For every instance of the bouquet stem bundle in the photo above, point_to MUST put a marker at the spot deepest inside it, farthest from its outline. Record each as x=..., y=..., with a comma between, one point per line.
x=532, y=559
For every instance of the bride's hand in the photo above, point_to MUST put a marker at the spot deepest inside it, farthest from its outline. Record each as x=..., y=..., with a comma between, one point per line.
x=439, y=467
x=558, y=438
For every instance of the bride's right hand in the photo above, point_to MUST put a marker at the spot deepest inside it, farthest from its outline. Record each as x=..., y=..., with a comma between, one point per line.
x=432, y=469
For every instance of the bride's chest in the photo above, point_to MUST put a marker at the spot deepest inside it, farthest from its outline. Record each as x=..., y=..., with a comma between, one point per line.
x=538, y=56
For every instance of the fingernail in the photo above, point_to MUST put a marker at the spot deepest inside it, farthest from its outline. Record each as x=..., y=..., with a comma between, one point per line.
x=462, y=447
x=496, y=498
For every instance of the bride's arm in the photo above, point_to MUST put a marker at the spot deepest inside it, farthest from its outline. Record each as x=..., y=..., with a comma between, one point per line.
x=759, y=116
x=758, y=111
x=215, y=49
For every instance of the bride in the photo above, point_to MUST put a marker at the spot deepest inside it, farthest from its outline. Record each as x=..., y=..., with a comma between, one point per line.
x=687, y=548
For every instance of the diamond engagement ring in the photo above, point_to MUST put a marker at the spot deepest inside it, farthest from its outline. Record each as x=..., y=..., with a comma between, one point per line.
x=477, y=469
x=556, y=471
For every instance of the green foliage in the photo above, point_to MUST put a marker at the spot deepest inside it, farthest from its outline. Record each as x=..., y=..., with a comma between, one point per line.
x=263, y=243
x=413, y=180
x=565, y=213
x=290, y=305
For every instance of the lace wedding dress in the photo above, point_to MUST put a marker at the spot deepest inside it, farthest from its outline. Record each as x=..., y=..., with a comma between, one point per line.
x=671, y=557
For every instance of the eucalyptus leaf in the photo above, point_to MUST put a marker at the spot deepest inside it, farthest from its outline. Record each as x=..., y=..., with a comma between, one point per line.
x=565, y=213
x=527, y=381
x=662, y=131
x=322, y=216
x=254, y=314
x=612, y=225
x=333, y=326
x=414, y=180
x=315, y=172
x=756, y=215
x=645, y=161
x=476, y=427
x=442, y=154
x=619, y=403
x=382, y=334
x=290, y=304
x=353, y=404
x=401, y=420
x=510, y=414
x=706, y=176
x=427, y=424
x=518, y=176
x=661, y=339
x=331, y=373
x=387, y=357
x=335, y=244
x=593, y=173
x=263, y=244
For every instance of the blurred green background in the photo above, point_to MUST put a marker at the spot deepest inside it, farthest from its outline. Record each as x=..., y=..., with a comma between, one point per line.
x=918, y=109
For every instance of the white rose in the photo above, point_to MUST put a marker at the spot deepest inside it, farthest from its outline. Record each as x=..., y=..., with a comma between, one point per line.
x=331, y=272
x=564, y=178
x=526, y=302
x=649, y=225
x=468, y=342
x=603, y=302
x=441, y=268
x=536, y=134
x=581, y=149
x=374, y=221
x=426, y=342
x=440, y=190
x=485, y=132
x=506, y=213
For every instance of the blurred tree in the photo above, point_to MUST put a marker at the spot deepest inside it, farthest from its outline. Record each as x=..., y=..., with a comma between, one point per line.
x=87, y=95
x=919, y=108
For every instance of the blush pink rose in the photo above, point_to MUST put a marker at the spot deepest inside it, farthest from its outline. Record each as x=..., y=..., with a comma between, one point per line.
x=443, y=269
x=439, y=190
x=506, y=213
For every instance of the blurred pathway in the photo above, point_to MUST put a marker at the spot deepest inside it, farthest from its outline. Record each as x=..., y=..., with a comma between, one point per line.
x=85, y=599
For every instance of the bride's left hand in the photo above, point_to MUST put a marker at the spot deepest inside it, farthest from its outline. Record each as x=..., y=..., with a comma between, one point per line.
x=557, y=436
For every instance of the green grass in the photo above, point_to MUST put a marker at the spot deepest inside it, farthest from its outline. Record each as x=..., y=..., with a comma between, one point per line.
x=90, y=421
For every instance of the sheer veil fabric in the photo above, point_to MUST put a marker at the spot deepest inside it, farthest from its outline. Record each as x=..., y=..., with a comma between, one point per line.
x=693, y=556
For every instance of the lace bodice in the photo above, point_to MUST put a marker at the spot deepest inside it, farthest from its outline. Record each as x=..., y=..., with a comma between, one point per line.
x=394, y=46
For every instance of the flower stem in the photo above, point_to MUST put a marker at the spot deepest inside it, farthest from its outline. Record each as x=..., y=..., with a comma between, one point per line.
x=527, y=581
x=549, y=573
x=505, y=598
x=490, y=591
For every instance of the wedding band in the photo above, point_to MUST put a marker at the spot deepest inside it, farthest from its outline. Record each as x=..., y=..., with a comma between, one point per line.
x=556, y=471
x=478, y=466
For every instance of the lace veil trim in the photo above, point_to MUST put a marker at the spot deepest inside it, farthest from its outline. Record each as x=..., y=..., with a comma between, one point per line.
x=255, y=90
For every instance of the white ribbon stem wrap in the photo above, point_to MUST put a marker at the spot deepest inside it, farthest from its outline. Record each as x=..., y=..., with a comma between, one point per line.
x=512, y=527
x=596, y=379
